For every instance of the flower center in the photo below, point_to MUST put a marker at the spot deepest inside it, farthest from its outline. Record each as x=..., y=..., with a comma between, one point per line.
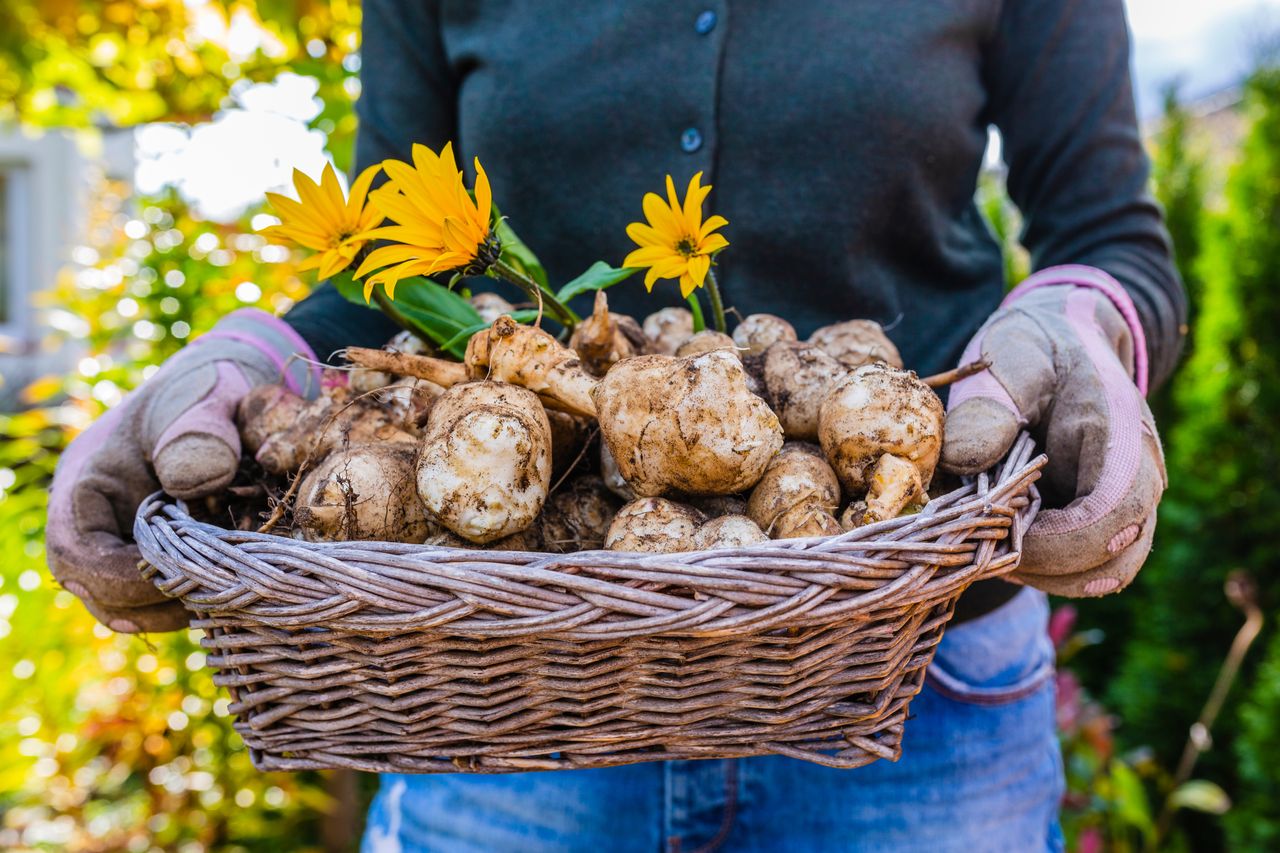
x=686, y=247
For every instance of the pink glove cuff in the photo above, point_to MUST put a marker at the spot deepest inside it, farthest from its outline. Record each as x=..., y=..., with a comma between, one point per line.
x=1094, y=279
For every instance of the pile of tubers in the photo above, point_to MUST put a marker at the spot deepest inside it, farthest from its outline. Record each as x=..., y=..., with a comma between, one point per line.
x=632, y=436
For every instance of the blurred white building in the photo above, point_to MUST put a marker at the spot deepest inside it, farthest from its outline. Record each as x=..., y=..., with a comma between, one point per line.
x=44, y=183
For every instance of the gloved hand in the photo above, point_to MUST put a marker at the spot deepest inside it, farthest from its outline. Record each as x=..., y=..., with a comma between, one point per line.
x=176, y=432
x=1068, y=359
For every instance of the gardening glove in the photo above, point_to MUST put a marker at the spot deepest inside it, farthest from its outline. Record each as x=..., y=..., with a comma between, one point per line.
x=177, y=432
x=1068, y=359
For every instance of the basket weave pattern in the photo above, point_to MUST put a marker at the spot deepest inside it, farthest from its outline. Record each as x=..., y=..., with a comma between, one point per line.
x=409, y=658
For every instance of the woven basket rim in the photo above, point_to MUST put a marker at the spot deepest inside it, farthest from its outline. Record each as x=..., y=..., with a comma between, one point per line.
x=537, y=593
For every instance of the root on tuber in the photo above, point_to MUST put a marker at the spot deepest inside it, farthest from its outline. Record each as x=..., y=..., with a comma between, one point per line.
x=604, y=338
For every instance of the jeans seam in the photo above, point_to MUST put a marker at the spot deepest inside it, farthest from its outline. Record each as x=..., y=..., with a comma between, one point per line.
x=1004, y=697
x=730, y=808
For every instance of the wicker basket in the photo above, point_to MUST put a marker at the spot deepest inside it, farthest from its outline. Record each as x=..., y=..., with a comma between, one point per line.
x=408, y=658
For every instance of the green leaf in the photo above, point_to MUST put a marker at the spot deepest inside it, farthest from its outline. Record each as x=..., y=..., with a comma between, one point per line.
x=350, y=289
x=1200, y=795
x=1131, y=799
x=517, y=252
x=423, y=294
x=522, y=315
x=597, y=277
x=424, y=307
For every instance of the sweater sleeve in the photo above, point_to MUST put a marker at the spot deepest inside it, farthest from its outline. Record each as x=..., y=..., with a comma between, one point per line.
x=408, y=95
x=1060, y=93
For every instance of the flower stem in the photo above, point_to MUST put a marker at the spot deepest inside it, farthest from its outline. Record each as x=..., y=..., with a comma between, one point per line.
x=556, y=308
x=717, y=307
x=694, y=308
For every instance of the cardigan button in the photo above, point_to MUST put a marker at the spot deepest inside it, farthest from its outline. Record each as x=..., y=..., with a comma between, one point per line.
x=705, y=22
x=691, y=140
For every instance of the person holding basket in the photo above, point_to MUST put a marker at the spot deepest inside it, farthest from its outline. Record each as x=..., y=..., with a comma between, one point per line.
x=845, y=143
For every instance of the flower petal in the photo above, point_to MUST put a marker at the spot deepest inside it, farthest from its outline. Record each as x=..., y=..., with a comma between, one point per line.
x=711, y=245
x=456, y=238
x=387, y=255
x=294, y=212
x=687, y=285
x=448, y=261
x=484, y=195
x=398, y=208
x=672, y=200
x=356, y=200
x=698, y=266
x=645, y=235
x=647, y=256
x=332, y=263
x=660, y=216
x=713, y=222
x=672, y=267
x=693, y=199
x=314, y=197
x=650, y=278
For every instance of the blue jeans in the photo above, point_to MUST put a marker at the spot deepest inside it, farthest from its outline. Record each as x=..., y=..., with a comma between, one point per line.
x=980, y=771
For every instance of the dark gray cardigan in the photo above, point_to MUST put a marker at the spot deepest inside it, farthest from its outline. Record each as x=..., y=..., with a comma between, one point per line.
x=843, y=139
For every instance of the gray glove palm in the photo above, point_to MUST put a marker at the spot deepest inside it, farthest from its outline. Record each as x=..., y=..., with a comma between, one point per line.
x=176, y=432
x=1065, y=350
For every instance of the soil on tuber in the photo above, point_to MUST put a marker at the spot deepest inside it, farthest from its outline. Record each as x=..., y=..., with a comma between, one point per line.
x=798, y=494
x=707, y=341
x=728, y=531
x=577, y=517
x=364, y=492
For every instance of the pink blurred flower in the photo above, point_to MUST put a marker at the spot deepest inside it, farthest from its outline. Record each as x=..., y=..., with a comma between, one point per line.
x=1090, y=840
x=1061, y=622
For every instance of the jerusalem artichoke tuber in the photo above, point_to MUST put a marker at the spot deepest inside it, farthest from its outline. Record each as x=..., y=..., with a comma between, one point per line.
x=484, y=467
x=653, y=525
x=874, y=411
x=757, y=332
x=854, y=343
x=686, y=424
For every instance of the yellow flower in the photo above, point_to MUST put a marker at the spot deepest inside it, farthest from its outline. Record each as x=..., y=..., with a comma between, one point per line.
x=676, y=243
x=325, y=221
x=438, y=225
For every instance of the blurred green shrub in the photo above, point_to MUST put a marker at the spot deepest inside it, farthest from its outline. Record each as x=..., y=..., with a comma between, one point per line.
x=114, y=742
x=1223, y=448
x=111, y=742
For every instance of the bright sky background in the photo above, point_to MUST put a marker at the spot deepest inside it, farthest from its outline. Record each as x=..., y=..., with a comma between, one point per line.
x=228, y=164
